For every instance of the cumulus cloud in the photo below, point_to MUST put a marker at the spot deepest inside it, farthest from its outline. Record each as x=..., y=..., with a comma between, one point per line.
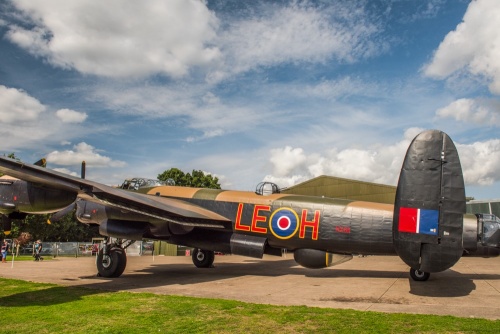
x=71, y=116
x=118, y=38
x=472, y=47
x=293, y=165
x=17, y=106
x=82, y=152
x=27, y=122
x=472, y=111
x=480, y=162
x=287, y=160
x=298, y=32
x=67, y=171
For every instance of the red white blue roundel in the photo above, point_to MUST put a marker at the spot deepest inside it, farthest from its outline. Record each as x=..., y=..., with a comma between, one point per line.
x=284, y=223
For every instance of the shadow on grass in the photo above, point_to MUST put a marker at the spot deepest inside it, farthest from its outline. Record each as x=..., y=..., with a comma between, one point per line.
x=46, y=296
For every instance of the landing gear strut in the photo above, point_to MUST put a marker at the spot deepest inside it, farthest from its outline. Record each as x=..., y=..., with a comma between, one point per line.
x=419, y=276
x=203, y=258
x=111, y=259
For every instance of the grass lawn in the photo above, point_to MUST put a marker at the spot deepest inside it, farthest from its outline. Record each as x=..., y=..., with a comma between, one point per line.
x=27, y=307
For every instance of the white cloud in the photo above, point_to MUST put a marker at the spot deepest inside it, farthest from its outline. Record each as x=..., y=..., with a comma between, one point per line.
x=71, y=116
x=480, y=162
x=16, y=106
x=474, y=46
x=66, y=171
x=298, y=32
x=28, y=123
x=287, y=160
x=82, y=152
x=117, y=38
x=381, y=166
x=194, y=107
x=472, y=111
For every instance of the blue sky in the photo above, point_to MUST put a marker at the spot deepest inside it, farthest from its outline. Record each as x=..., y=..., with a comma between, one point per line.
x=280, y=91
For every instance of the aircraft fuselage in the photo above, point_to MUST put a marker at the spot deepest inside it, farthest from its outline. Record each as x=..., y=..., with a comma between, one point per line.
x=293, y=221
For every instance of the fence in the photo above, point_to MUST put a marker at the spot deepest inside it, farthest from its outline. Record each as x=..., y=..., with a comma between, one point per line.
x=76, y=249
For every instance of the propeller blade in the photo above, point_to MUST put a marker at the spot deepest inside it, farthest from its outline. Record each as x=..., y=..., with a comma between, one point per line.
x=84, y=167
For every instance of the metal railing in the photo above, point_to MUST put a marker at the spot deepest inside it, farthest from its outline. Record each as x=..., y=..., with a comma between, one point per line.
x=77, y=249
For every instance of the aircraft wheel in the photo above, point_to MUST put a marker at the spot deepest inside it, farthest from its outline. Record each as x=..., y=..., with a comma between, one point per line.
x=113, y=263
x=419, y=276
x=203, y=258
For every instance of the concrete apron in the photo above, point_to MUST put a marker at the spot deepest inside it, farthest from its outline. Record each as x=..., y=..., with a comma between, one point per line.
x=375, y=283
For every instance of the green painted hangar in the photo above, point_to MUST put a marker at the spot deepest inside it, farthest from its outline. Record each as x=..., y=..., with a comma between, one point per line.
x=336, y=187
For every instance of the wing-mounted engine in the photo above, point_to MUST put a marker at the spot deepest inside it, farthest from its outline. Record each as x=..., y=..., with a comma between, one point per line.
x=430, y=203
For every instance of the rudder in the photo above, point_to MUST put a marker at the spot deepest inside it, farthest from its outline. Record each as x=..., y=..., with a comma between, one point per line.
x=430, y=203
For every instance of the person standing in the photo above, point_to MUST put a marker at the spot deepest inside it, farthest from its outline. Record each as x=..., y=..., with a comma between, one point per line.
x=38, y=250
x=4, y=249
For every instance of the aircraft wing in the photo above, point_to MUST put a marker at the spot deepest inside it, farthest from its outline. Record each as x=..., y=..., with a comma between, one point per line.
x=167, y=209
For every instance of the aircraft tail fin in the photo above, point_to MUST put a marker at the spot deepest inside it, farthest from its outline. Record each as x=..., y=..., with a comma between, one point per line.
x=430, y=203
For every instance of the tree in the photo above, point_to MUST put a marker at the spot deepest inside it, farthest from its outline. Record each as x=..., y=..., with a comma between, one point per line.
x=197, y=179
x=63, y=230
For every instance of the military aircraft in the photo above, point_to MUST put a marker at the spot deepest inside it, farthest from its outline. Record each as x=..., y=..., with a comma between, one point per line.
x=427, y=227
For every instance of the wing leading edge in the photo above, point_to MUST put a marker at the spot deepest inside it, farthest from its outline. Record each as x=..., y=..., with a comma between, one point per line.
x=170, y=210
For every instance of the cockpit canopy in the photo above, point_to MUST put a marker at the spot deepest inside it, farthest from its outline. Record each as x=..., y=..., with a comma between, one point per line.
x=267, y=188
x=138, y=182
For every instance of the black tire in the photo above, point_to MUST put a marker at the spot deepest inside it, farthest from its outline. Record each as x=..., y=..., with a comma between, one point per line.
x=419, y=276
x=203, y=258
x=113, y=264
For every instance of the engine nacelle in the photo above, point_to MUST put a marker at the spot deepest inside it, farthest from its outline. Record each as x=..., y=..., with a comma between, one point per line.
x=316, y=259
x=26, y=197
x=123, y=229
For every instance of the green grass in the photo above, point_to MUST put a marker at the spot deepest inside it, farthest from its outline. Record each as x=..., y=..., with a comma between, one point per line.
x=27, y=307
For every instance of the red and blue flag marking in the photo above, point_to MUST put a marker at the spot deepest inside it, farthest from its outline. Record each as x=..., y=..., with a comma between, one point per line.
x=414, y=220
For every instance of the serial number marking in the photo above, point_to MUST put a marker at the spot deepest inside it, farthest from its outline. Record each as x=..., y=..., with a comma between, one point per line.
x=342, y=229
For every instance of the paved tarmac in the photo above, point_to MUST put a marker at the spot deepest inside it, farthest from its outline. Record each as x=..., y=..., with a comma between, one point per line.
x=375, y=283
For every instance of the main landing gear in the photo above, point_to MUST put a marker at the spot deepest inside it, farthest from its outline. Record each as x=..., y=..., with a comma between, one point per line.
x=419, y=276
x=111, y=259
x=203, y=258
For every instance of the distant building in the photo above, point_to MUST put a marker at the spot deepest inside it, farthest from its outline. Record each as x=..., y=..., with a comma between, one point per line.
x=478, y=206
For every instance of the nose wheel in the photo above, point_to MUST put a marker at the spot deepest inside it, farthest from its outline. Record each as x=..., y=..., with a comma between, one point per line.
x=203, y=258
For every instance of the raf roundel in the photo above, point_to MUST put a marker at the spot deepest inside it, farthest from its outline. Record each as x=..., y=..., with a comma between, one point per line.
x=284, y=223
